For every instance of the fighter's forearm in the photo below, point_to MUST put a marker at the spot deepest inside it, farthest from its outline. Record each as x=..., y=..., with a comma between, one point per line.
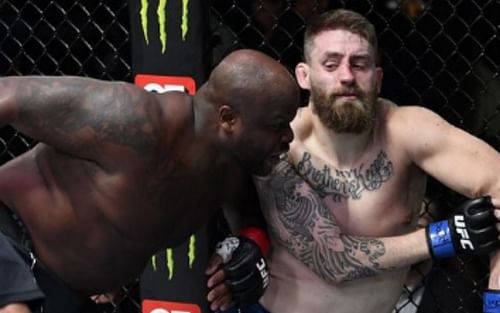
x=242, y=208
x=305, y=226
x=350, y=257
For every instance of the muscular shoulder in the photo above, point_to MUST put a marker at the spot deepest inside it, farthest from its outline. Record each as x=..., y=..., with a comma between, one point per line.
x=413, y=119
x=173, y=121
x=416, y=128
x=177, y=110
x=142, y=126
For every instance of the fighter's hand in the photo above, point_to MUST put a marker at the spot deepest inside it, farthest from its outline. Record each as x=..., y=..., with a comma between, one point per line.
x=474, y=230
x=238, y=273
x=218, y=296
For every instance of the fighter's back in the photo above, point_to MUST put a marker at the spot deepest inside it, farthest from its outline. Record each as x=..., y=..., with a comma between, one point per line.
x=109, y=216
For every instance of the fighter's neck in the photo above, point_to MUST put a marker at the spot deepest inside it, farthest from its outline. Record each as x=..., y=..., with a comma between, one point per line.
x=340, y=148
x=203, y=119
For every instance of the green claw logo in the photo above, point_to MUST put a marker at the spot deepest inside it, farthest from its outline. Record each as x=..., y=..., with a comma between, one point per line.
x=162, y=21
x=170, y=257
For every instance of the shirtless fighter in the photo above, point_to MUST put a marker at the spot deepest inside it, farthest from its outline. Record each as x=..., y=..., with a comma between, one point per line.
x=119, y=172
x=342, y=211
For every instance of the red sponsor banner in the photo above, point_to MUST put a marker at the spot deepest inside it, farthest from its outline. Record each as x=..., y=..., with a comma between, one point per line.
x=161, y=84
x=157, y=306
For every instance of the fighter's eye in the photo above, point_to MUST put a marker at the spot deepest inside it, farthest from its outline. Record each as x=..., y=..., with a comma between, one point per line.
x=361, y=65
x=331, y=65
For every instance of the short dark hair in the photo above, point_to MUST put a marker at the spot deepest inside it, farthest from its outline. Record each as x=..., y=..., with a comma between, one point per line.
x=340, y=19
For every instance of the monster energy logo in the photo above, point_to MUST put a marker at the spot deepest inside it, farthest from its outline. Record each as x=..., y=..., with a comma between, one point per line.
x=162, y=21
x=169, y=256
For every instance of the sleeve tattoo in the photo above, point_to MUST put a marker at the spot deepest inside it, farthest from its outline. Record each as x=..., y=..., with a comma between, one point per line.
x=68, y=112
x=301, y=222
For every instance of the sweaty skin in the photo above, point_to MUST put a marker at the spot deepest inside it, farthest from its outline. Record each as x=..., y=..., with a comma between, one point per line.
x=119, y=172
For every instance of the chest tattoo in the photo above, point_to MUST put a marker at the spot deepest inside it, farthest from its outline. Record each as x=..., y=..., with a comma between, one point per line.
x=342, y=184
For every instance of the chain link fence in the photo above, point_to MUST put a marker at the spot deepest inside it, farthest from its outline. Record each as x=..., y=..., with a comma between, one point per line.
x=440, y=54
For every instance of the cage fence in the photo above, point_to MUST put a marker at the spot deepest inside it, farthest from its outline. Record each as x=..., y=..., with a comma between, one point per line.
x=440, y=54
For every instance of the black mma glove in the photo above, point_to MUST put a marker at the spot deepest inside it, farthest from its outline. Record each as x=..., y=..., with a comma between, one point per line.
x=471, y=231
x=247, y=275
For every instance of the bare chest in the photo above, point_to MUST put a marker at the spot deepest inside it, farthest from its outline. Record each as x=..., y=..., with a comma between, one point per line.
x=379, y=195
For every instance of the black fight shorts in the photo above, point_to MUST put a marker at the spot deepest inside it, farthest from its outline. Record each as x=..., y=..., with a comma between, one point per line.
x=17, y=282
x=23, y=279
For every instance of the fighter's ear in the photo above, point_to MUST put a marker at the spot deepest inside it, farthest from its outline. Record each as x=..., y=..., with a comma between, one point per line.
x=227, y=118
x=302, y=75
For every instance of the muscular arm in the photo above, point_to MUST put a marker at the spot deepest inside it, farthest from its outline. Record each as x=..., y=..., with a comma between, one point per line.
x=80, y=116
x=464, y=163
x=243, y=209
x=303, y=224
x=457, y=159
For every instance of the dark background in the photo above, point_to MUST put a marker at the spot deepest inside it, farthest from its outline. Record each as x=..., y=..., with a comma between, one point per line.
x=440, y=54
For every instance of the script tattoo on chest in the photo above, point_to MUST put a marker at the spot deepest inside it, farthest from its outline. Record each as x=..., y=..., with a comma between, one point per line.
x=346, y=184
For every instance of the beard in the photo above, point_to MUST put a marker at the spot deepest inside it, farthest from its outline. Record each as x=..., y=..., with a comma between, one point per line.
x=351, y=116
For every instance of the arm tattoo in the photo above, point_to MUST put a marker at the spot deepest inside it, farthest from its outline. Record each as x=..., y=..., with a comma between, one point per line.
x=59, y=112
x=305, y=226
x=346, y=184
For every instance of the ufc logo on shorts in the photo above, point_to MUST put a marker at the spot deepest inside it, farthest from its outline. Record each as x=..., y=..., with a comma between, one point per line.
x=261, y=266
x=462, y=231
x=162, y=84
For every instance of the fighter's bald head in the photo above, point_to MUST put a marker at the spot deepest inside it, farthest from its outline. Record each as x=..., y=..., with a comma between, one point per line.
x=246, y=75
